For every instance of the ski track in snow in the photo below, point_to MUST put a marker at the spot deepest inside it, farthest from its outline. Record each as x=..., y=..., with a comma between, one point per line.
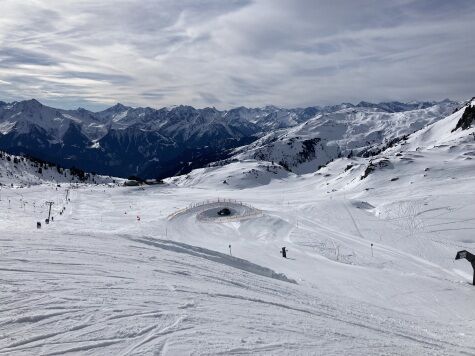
x=115, y=275
x=82, y=285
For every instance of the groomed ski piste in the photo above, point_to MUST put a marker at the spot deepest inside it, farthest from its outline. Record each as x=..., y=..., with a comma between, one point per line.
x=145, y=270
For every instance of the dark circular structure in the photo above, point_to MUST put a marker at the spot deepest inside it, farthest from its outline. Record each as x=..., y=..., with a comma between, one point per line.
x=224, y=212
x=219, y=211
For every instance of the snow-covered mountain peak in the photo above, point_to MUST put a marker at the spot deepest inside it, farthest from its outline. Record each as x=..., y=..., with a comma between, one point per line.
x=305, y=147
x=118, y=108
x=114, y=112
x=31, y=104
x=203, y=132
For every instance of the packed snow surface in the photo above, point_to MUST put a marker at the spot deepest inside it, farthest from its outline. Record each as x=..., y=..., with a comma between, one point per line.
x=134, y=270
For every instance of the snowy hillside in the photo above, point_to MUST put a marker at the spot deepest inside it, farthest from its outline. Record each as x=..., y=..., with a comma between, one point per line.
x=370, y=266
x=236, y=175
x=346, y=132
x=22, y=171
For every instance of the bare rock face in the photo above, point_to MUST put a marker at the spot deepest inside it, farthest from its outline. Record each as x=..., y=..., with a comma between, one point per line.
x=467, y=119
x=381, y=163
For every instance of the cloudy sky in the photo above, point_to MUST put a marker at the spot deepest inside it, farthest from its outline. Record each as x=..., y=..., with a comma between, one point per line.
x=227, y=53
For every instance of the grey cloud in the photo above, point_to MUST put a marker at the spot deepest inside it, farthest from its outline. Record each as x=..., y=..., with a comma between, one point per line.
x=436, y=9
x=246, y=86
x=326, y=71
x=11, y=56
x=209, y=98
x=153, y=95
x=111, y=78
x=326, y=48
x=237, y=52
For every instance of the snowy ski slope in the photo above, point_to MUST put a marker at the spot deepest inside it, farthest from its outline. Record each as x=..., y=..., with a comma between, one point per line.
x=118, y=273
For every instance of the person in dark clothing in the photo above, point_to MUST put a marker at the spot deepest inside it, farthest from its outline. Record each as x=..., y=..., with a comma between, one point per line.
x=470, y=258
x=284, y=252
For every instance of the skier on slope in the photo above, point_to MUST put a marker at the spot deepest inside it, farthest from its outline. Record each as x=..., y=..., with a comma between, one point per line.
x=284, y=252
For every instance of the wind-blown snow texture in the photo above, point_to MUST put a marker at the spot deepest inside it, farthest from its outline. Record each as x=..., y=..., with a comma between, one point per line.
x=120, y=273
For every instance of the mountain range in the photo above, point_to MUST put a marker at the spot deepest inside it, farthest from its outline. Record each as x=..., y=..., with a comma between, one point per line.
x=370, y=239
x=157, y=143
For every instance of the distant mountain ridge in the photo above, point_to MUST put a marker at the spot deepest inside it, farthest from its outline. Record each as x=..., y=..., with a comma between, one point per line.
x=361, y=130
x=157, y=143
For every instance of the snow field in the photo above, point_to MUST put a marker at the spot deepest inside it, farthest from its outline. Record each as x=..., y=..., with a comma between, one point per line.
x=370, y=267
x=98, y=280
